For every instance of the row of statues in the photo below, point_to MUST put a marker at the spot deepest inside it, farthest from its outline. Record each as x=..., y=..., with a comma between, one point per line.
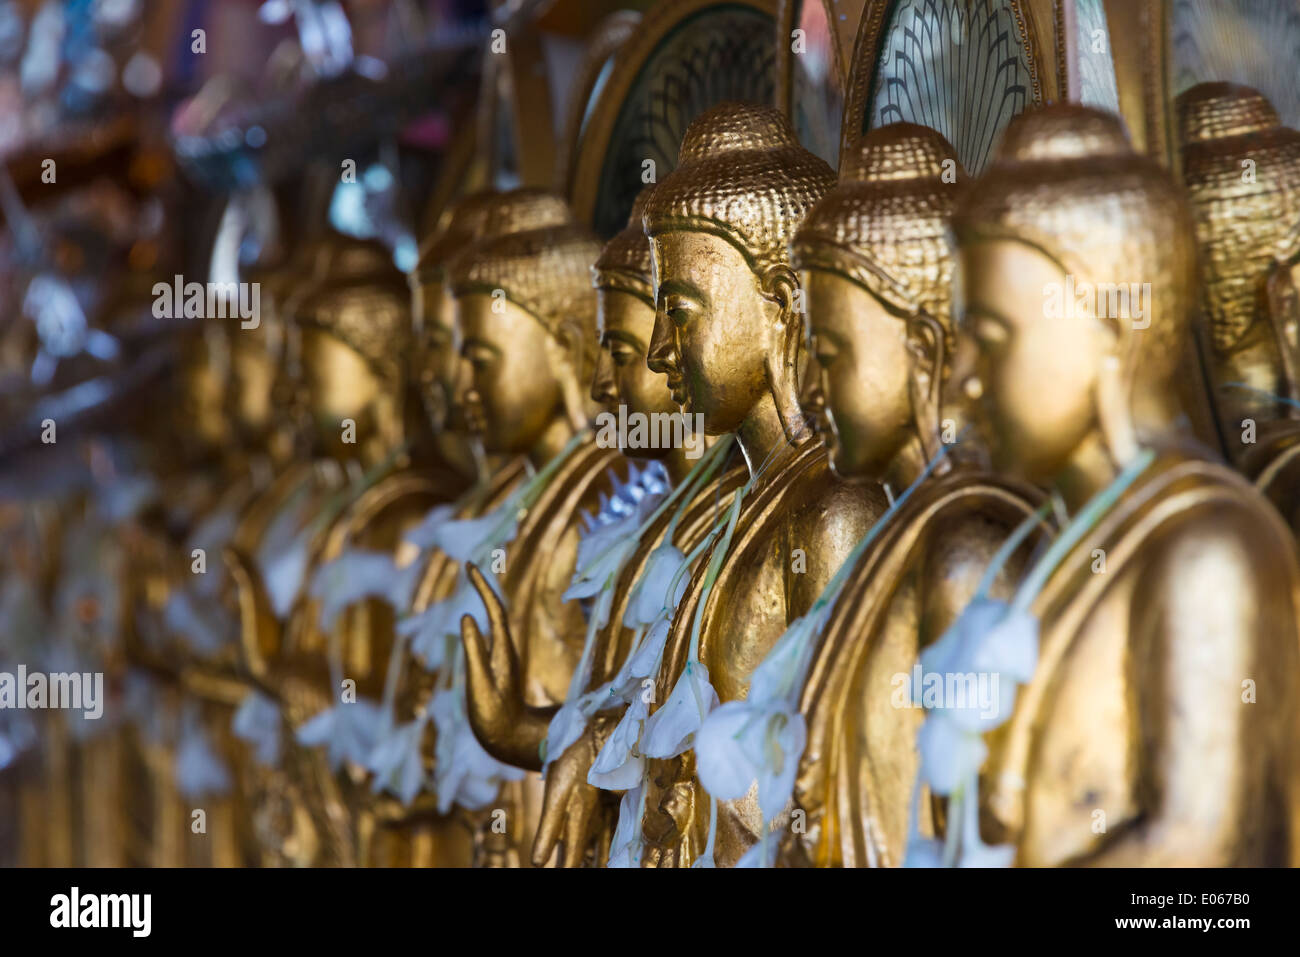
x=952, y=571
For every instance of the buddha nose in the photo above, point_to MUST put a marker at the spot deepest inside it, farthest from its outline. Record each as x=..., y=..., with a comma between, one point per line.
x=464, y=397
x=966, y=386
x=813, y=396
x=661, y=357
x=602, y=383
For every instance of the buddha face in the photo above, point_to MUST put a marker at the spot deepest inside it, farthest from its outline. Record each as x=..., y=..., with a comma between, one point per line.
x=512, y=391
x=713, y=328
x=253, y=372
x=622, y=377
x=338, y=384
x=436, y=357
x=1035, y=377
x=202, y=417
x=864, y=368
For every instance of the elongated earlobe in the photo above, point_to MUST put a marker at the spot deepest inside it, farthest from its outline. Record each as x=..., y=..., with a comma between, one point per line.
x=928, y=348
x=1113, y=412
x=568, y=355
x=780, y=285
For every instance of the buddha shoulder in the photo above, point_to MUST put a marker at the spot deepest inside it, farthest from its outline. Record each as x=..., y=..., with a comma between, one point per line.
x=1230, y=556
x=829, y=515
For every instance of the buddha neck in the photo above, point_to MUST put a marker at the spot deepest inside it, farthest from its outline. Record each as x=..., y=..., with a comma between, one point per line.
x=763, y=440
x=677, y=465
x=906, y=467
x=551, y=442
x=1089, y=470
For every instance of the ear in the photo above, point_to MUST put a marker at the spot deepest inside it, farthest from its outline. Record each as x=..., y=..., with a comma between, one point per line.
x=781, y=286
x=1113, y=412
x=569, y=353
x=929, y=351
x=1283, y=295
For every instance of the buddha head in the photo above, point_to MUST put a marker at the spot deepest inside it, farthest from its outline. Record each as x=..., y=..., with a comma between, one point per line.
x=625, y=318
x=435, y=356
x=1242, y=172
x=728, y=331
x=877, y=261
x=256, y=387
x=1075, y=290
x=201, y=422
x=525, y=315
x=354, y=333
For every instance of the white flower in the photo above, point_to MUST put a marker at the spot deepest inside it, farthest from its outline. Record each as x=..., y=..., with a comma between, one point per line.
x=424, y=534
x=949, y=753
x=625, y=846
x=464, y=773
x=17, y=734
x=649, y=596
x=199, y=770
x=671, y=730
x=430, y=629
x=397, y=762
x=780, y=673
x=468, y=539
x=923, y=852
x=742, y=742
x=1010, y=648
x=349, y=729
x=991, y=640
x=203, y=630
x=355, y=575
x=619, y=766
x=257, y=721
x=644, y=662
x=601, y=570
x=283, y=572
x=566, y=726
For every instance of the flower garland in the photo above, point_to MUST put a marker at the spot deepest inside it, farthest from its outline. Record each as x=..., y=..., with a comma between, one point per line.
x=597, y=573
x=761, y=738
x=671, y=730
x=989, y=637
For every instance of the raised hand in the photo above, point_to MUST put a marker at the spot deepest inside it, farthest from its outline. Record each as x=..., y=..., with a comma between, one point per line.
x=508, y=728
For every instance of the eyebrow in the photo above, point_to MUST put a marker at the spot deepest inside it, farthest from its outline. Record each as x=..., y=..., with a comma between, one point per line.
x=473, y=342
x=828, y=335
x=622, y=336
x=682, y=287
x=976, y=312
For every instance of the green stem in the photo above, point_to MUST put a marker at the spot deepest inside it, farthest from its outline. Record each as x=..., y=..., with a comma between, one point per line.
x=1079, y=526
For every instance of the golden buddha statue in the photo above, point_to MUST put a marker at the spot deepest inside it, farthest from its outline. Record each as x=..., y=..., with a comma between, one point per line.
x=729, y=336
x=525, y=314
x=182, y=628
x=357, y=496
x=448, y=821
x=576, y=814
x=877, y=262
x=1242, y=172
x=1156, y=638
x=436, y=359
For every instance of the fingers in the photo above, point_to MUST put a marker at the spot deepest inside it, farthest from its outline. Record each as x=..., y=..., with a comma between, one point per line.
x=479, y=688
x=575, y=828
x=503, y=660
x=555, y=803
